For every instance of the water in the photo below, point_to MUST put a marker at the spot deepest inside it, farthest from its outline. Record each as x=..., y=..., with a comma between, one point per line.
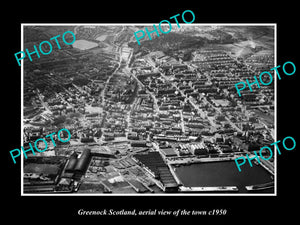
x=223, y=174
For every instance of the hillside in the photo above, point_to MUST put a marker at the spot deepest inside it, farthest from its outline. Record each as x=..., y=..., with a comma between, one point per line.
x=243, y=40
x=167, y=42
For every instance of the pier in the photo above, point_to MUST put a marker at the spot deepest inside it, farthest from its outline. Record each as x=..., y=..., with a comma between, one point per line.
x=258, y=187
x=174, y=175
x=187, y=161
x=209, y=189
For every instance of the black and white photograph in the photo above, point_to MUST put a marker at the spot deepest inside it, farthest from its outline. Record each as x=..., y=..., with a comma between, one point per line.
x=156, y=118
x=177, y=115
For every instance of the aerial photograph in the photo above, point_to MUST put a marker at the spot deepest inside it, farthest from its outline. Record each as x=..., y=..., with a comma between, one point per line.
x=162, y=117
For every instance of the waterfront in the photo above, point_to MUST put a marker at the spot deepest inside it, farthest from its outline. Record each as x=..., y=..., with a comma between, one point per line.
x=213, y=174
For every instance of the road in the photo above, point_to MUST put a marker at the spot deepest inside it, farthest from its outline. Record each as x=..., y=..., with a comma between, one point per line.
x=44, y=104
x=215, y=108
x=119, y=51
x=191, y=100
x=194, y=104
x=227, y=119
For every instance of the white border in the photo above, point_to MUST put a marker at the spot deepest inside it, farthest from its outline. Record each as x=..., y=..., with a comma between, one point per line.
x=149, y=24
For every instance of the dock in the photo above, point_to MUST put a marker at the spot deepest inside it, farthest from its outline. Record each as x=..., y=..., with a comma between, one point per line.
x=187, y=161
x=209, y=189
x=175, y=175
x=258, y=187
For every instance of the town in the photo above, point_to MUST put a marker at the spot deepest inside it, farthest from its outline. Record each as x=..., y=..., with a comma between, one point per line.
x=270, y=79
x=139, y=117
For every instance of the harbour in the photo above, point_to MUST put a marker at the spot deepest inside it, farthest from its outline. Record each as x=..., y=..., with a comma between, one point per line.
x=222, y=176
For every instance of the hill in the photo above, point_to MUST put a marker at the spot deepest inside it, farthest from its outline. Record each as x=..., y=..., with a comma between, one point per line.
x=243, y=40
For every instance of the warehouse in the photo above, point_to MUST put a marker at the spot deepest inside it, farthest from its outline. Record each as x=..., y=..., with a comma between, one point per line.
x=83, y=161
x=71, y=163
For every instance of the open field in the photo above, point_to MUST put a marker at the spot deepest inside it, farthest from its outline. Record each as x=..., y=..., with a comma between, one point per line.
x=84, y=45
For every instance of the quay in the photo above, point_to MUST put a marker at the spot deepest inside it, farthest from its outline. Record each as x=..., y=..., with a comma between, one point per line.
x=259, y=187
x=187, y=161
x=209, y=189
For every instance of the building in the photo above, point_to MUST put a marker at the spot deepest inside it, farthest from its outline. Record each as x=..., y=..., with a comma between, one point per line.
x=71, y=163
x=77, y=166
x=83, y=161
x=198, y=149
x=168, y=152
x=155, y=165
x=141, y=143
